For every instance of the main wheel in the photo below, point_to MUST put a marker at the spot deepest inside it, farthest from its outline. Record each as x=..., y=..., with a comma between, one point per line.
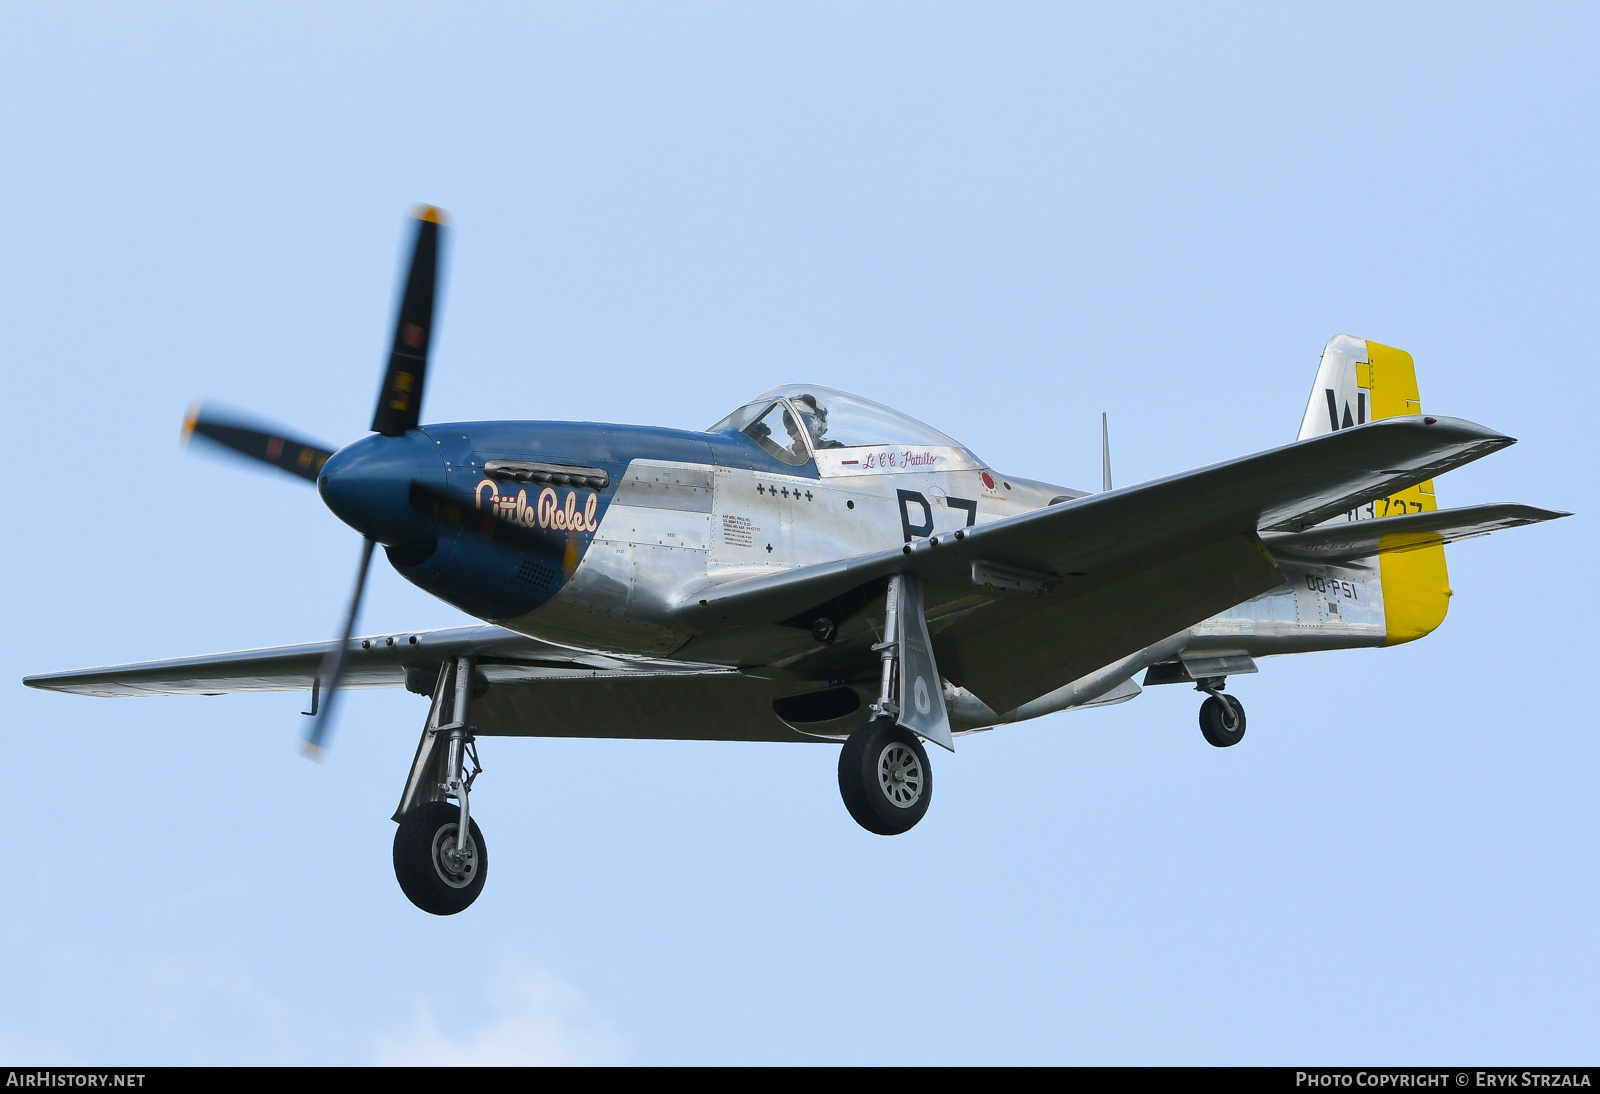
x=431, y=874
x=1222, y=720
x=884, y=777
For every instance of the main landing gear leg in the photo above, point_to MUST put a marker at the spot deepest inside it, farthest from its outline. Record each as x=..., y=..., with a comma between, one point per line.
x=1221, y=716
x=884, y=775
x=438, y=870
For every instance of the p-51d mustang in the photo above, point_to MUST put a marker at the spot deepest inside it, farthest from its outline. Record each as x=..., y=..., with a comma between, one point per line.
x=818, y=567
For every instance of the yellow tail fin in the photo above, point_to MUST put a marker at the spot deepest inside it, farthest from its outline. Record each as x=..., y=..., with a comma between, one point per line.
x=1357, y=382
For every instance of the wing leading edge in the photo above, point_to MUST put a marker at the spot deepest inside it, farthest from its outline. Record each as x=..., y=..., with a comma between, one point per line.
x=382, y=661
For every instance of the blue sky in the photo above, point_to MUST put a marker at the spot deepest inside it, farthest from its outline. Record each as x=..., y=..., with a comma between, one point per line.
x=1003, y=220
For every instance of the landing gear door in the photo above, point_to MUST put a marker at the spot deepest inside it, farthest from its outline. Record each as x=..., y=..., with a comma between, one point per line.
x=921, y=696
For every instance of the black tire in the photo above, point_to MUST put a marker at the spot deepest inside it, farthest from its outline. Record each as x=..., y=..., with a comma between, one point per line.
x=424, y=877
x=1215, y=719
x=884, y=778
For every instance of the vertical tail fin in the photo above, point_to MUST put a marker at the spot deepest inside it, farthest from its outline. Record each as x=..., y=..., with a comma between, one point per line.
x=1357, y=382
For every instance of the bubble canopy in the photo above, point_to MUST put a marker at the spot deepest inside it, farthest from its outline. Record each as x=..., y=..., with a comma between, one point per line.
x=838, y=419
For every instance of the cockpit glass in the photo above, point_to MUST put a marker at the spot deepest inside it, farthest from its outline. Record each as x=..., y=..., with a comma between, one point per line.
x=833, y=418
x=779, y=433
x=741, y=417
x=838, y=419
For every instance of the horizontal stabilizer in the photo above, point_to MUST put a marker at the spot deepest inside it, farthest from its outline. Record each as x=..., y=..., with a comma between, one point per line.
x=1345, y=541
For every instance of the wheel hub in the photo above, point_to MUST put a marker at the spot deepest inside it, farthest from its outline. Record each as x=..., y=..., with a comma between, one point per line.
x=900, y=775
x=455, y=865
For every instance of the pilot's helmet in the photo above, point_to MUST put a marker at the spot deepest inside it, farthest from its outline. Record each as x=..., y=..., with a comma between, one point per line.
x=808, y=406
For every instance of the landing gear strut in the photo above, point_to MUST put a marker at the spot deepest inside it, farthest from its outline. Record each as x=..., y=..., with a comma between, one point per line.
x=884, y=775
x=1221, y=716
x=440, y=871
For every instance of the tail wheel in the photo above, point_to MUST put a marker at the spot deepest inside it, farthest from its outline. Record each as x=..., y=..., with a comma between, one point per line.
x=434, y=871
x=884, y=778
x=1222, y=720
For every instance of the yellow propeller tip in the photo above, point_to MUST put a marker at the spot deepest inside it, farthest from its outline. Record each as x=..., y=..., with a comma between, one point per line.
x=190, y=418
x=311, y=751
x=432, y=214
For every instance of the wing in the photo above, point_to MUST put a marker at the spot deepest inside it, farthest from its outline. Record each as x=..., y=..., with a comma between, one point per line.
x=381, y=661
x=1366, y=538
x=1106, y=575
x=539, y=689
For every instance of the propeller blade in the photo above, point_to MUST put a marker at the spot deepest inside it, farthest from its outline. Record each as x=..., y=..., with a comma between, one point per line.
x=333, y=667
x=400, y=400
x=300, y=458
x=486, y=523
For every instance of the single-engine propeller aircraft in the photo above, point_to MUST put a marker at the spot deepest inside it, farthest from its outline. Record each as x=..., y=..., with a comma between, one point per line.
x=818, y=567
